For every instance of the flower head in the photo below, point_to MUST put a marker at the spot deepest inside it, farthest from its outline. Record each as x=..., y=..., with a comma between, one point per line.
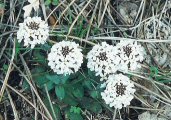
x=156, y=28
x=130, y=53
x=119, y=91
x=65, y=57
x=103, y=59
x=33, y=31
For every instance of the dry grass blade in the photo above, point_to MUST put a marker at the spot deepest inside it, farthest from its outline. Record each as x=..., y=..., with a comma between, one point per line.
x=68, y=6
x=114, y=114
x=92, y=17
x=81, y=12
x=102, y=17
x=88, y=23
x=13, y=106
x=135, y=39
x=43, y=115
x=33, y=88
x=50, y=102
x=7, y=74
x=31, y=79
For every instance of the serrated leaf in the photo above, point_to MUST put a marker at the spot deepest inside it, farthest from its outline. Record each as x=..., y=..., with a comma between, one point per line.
x=5, y=67
x=60, y=92
x=76, y=110
x=74, y=116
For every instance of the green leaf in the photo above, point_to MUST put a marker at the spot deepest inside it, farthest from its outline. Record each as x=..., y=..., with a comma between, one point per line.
x=64, y=78
x=95, y=94
x=40, y=80
x=91, y=74
x=50, y=85
x=76, y=110
x=96, y=107
x=5, y=67
x=88, y=84
x=39, y=56
x=53, y=78
x=2, y=5
x=17, y=50
x=25, y=85
x=55, y=2
x=153, y=71
x=45, y=47
x=69, y=100
x=57, y=79
x=60, y=92
x=78, y=91
x=47, y=2
x=74, y=116
x=165, y=81
x=38, y=69
x=91, y=105
x=39, y=74
x=96, y=30
x=55, y=108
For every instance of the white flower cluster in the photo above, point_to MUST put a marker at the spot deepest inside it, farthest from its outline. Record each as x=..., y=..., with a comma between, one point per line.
x=103, y=59
x=119, y=91
x=33, y=31
x=106, y=59
x=65, y=57
x=157, y=29
x=131, y=54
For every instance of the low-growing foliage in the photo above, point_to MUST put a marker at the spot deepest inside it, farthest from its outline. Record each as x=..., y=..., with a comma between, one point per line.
x=85, y=60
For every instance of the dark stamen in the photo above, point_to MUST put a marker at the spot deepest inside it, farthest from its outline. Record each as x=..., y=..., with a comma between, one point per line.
x=120, y=89
x=33, y=26
x=127, y=49
x=66, y=50
x=102, y=56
